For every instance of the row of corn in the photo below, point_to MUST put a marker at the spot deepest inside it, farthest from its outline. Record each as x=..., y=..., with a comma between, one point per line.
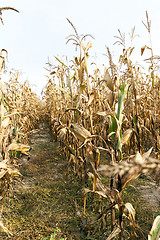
x=19, y=114
x=116, y=113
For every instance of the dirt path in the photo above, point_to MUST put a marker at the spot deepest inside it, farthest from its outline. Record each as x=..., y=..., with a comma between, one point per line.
x=44, y=204
x=151, y=194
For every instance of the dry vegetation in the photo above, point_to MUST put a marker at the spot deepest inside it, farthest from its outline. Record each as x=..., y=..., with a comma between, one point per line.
x=19, y=114
x=116, y=112
x=106, y=123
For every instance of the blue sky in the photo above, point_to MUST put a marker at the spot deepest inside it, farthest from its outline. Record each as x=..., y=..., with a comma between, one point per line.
x=40, y=29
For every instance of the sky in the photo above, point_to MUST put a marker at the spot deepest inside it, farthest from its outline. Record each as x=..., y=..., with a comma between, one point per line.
x=40, y=29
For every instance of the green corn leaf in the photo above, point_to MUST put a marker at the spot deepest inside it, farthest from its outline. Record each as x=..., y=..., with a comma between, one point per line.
x=118, y=146
x=113, y=127
x=60, y=62
x=83, y=87
x=121, y=97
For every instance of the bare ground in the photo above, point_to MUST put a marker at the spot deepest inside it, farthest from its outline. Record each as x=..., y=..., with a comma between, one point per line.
x=151, y=194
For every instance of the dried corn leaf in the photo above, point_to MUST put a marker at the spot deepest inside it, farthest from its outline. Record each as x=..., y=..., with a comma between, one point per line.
x=138, y=159
x=1, y=63
x=84, y=195
x=77, y=61
x=80, y=132
x=2, y=173
x=82, y=45
x=110, y=99
x=25, y=153
x=62, y=134
x=100, y=193
x=147, y=154
x=91, y=98
x=89, y=45
x=158, y=141
x=74, y=109
x=85, y=64
x=14, y=172
x=114, y=233
x=5, y=122
x=4, y=228
x=103, y=114
x=115, y=194
x=131, y=211
x=19, y=147
x=126, y=136
x=108, y=80
x=157, y=85
x=143, y=48
x=85, y=191
x=130, y=170
x=3, y=110
x=3, y=164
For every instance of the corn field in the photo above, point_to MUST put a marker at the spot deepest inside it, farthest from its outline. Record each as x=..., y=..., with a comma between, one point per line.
x=107, y=124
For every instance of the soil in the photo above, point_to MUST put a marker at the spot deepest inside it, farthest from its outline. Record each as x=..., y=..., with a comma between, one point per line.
x=151, y=194
x=47, y=201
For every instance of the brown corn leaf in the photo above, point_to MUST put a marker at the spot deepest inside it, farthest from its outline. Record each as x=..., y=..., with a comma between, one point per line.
x=138, y=158
x=131, y=210
x=8, y=8
x=85, y=191
x=1, y=63
x=110, y=99
x=83, y=47
x=100, y=193
x=77, y=61
x=52, y=73
x=85, y=64
x=89, y=45
x=14, y=172
x=62, y=134
x=108, y=80
x=94, y=183
x=91, y=98
x=114, y=233
x=115, y=194
x=143, y=48
x=130, y=170
x=103, y=114
x=2, y=173
x=126, y=136
x=19, y=147
x=3, y=163
x=147, y=154
x=157, y=85
x=25, y=153
x=4, y=228
x=74, y=109
x=80, y=132
x=130, y=52
x=3, y=110
x=5, y=122
x=158, y=141
x=84, y=195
